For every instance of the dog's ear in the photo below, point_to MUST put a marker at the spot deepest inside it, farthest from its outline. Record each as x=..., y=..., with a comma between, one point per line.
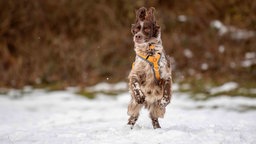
x=150, y=14
x=140, y=14
x=156, y=30
x=132, y=29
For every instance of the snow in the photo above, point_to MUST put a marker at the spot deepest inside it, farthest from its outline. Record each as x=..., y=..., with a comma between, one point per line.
x=218, y=25
x=250, y=59
x=59, y=117
x=250, y=55
x=240, y=34
x=224, y=88
x=235, y=33
x=204, y=66
x=182, y=18
x=247, y=63
x=221, y=49
x=188, y=53
x=108, y=87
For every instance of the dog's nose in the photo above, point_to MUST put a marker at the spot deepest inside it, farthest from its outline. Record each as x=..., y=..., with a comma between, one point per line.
x=138, y=37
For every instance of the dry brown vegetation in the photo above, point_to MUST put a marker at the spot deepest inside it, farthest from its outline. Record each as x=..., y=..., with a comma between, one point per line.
x=82, y=42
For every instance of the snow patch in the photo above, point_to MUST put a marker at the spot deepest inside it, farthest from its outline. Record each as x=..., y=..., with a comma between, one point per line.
x=224, y=88
x=175, y=87
x=182, y=18
x=64, y=117
x=204, y=66
x=121, y=86
x=235, y=33
x=250, y=55
x=188, y=53
x=250, y=59
x=221, y=49
x=218, y=25
x=240, y=34
x=248, y=63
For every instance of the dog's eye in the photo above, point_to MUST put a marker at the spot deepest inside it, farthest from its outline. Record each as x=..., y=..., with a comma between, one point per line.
x=137, y=28
x=147, y=30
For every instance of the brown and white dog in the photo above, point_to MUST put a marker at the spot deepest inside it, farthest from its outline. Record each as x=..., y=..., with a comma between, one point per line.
x=150, y=79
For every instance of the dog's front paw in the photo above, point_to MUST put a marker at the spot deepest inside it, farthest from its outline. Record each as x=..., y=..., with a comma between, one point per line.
x=139, y=96
x=140, y=99
x=163, y=102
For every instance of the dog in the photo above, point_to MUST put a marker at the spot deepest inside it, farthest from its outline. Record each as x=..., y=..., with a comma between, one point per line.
x=150, y=80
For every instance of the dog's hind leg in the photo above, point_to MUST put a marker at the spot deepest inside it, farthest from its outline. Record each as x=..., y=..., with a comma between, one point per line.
x=155, y=112
x=133, y=112
x=155, y=123
x=132, y=120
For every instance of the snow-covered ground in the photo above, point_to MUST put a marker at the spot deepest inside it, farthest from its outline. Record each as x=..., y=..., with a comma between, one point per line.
x=62, y=117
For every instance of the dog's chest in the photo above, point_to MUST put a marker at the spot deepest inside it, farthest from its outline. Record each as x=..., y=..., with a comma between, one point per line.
x=151, y=89
x=149, y=71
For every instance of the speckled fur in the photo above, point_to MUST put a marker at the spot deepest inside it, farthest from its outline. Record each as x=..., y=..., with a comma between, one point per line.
x=145, y=90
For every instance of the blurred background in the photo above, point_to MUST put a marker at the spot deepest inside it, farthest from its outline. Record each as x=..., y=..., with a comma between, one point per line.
x=46, y=43
x=64, y=67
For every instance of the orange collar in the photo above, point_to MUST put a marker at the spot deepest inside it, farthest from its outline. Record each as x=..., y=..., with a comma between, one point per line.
x=153, y=62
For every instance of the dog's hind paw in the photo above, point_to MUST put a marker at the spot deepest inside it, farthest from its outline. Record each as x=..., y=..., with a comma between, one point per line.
x=128, y=127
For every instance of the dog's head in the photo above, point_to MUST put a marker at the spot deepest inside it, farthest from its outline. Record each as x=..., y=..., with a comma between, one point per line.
x=145, y=27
